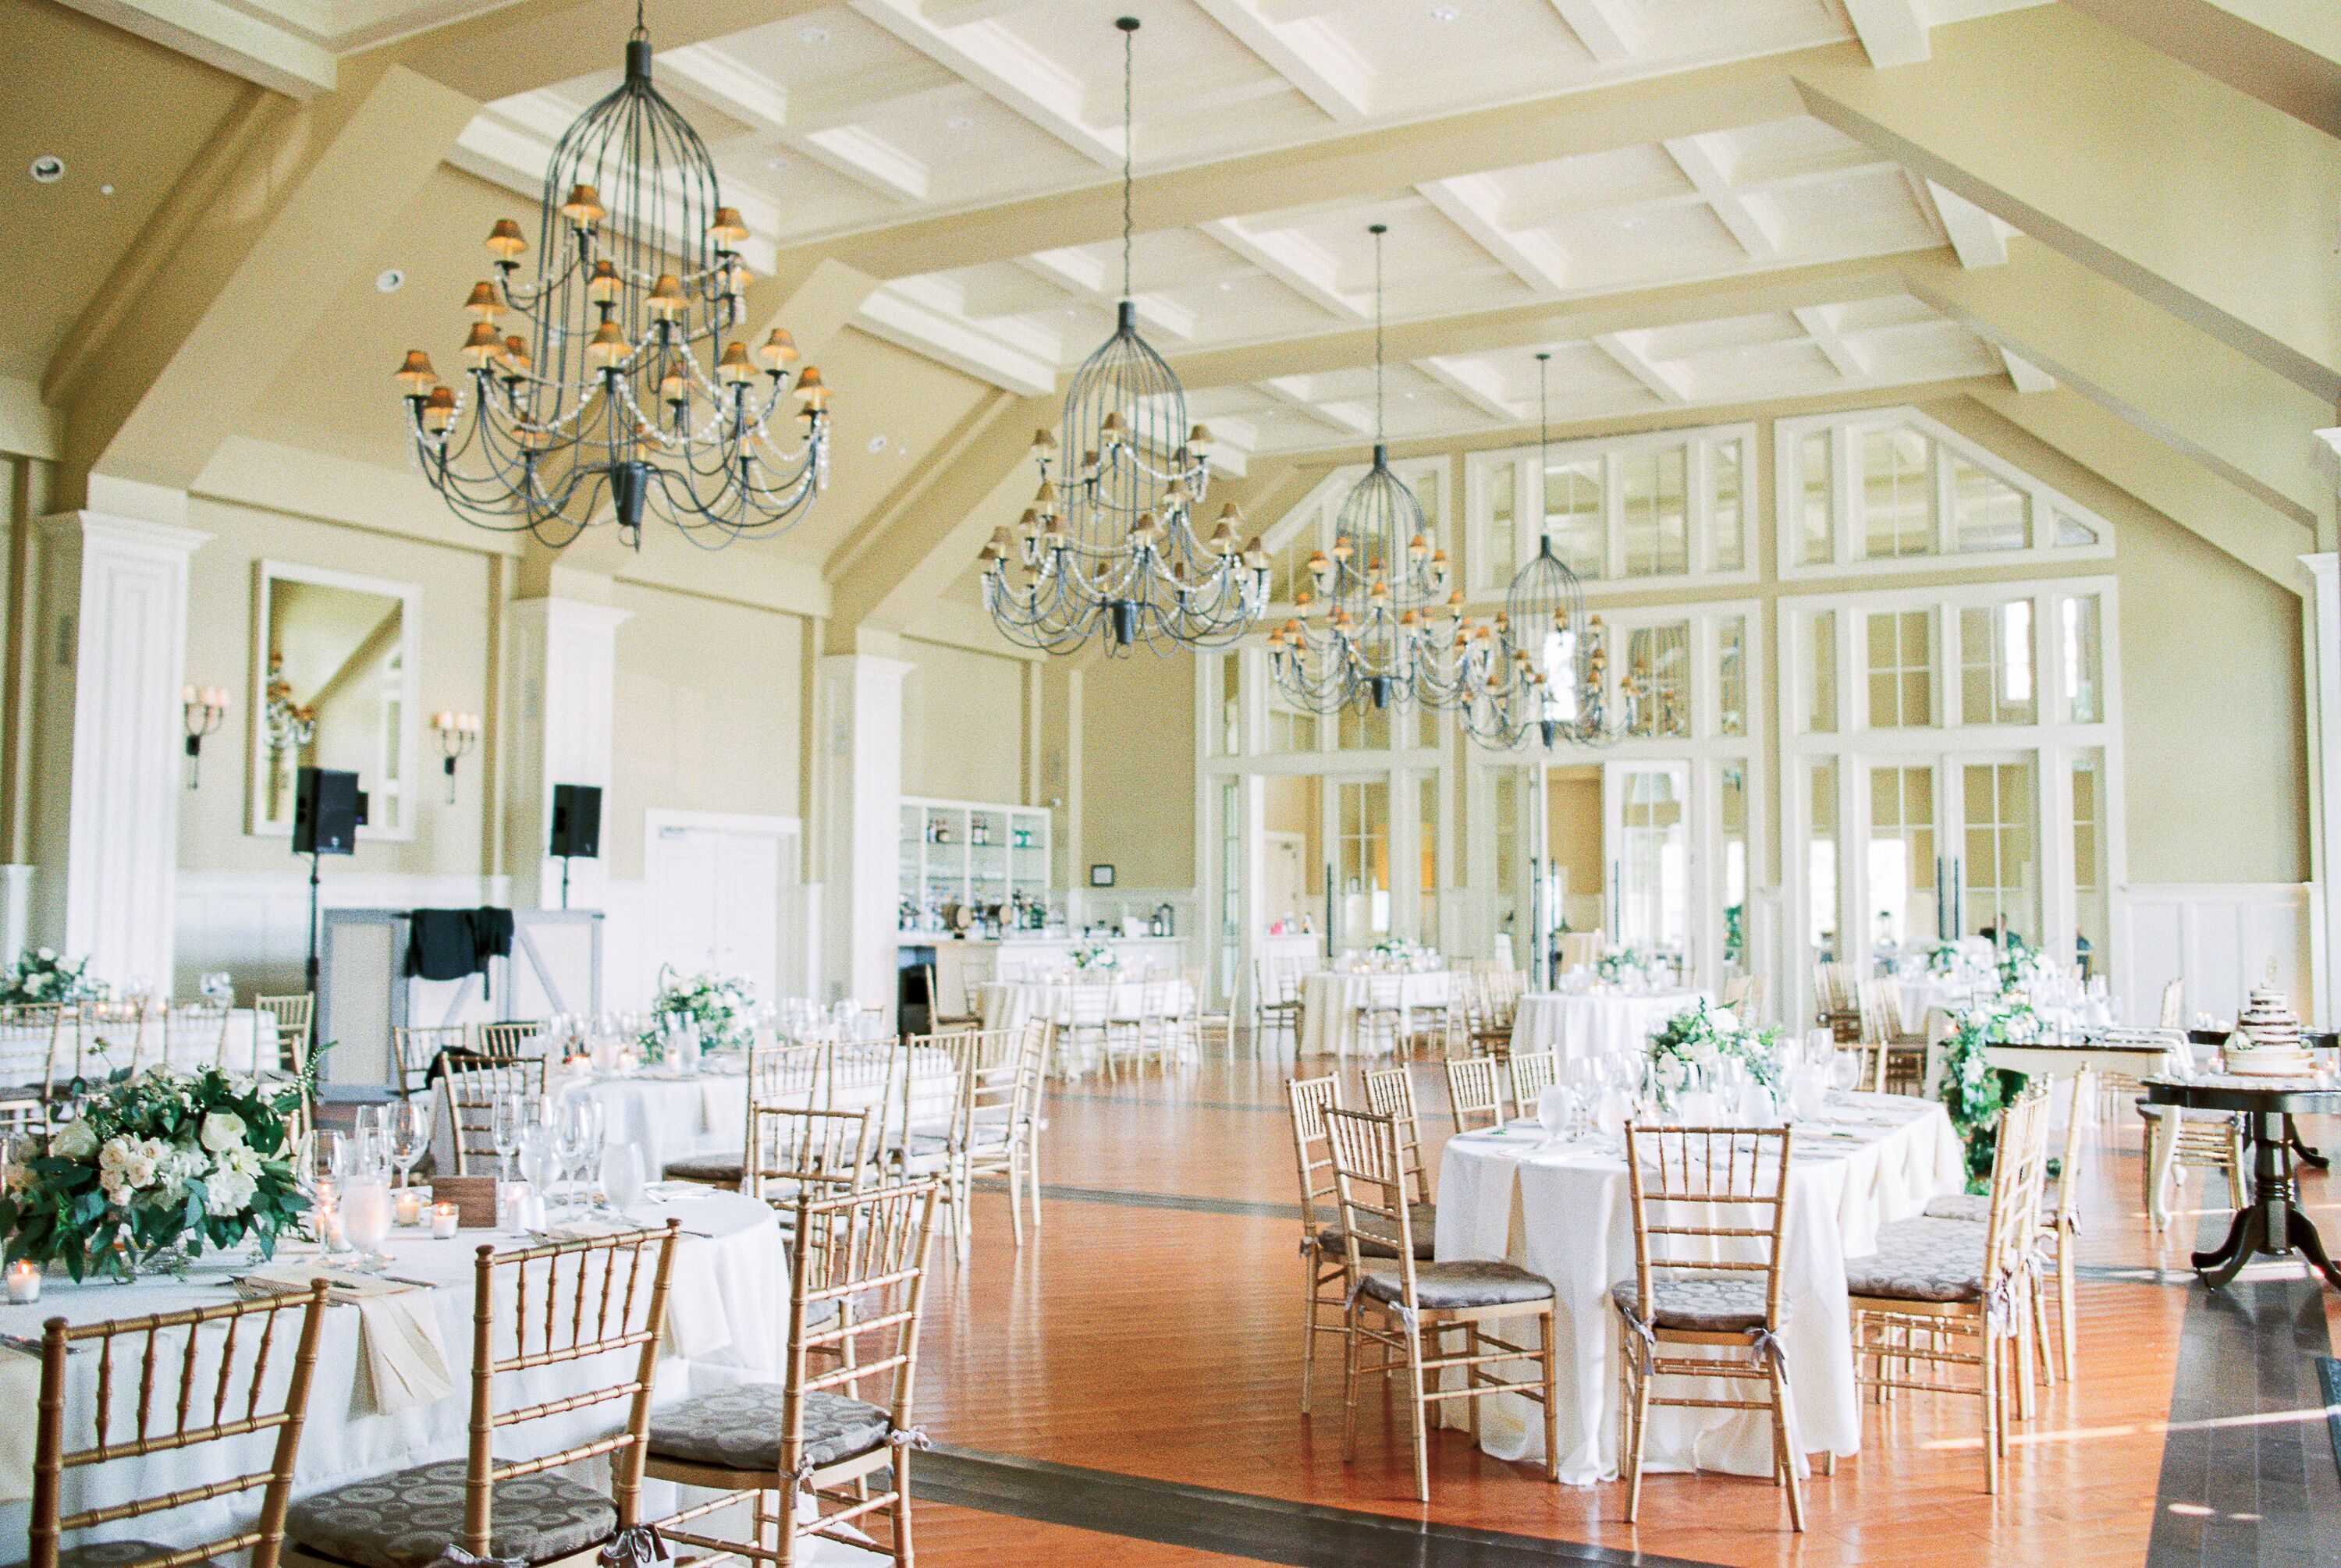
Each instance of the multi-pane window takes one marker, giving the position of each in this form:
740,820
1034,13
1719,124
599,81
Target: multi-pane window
1898,495
1658,662
1731,675
2001,869
1290,731
1820,859
1656,513
2072,532
2091,905
1726,522
1500,540
1231,843
1996,666
1363,865
1731,818
1820,673
1817,526
1988,514
1900,861
1901,669
1366,728
1426,919
1572,504
2083,660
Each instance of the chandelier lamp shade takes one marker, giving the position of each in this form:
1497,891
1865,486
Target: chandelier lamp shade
627,395
1110,551
1380,625
1553,679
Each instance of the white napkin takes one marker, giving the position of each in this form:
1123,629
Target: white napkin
20,1391
404,1359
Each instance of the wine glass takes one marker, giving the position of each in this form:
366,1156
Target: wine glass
540,1156
581,1132
506,1113
410,1135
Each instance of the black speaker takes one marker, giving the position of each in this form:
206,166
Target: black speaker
576,821
326,811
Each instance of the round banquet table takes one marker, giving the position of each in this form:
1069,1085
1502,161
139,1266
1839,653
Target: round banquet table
1329,1000
2272,1222
1562,1209
1581,1024
1012,1004
727,1322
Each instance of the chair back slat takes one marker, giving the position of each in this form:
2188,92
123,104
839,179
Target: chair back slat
416,1046
240,1400
1311,1099
1708,1200
1371,1186
795,1148
472,1090
508,1042
1532,1075
1475,1092
1389,1092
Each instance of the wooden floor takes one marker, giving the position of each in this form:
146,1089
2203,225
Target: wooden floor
1150,1331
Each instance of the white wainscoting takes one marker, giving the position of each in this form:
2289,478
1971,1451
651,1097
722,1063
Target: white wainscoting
2219,937
255,924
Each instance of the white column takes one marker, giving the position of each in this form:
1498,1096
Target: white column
860,708
2325,685
563,688
112,648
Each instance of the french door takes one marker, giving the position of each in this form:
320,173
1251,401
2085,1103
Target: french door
1646,831
1948,845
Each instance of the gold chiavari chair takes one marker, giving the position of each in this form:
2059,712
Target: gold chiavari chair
1411,1302
1389,1092
1893,1063
217,1394
1379,1015
291,1017
1275,996
859,1274
1709,1207
937,1019
1940,1295
1475,1092
416,1048
784,1073
508,1041
1532,1075
195,1034
1325,1270
591,1311
472,1090
1200,1021
793,1149
1089,1023
1755,1007
1159,1010
985,1137
29,1036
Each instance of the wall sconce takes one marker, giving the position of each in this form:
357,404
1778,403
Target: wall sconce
201,712
458,733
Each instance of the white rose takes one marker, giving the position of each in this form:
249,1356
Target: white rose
1726,1022
116,1153
1703,1053
223,1130
245,1161
1672,1073
46,954
228,1192
78,1141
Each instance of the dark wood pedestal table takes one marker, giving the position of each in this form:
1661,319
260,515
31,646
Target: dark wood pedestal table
2272,1223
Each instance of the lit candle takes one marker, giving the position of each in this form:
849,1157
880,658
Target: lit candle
23,1282
513,1215
442,1222
407,1205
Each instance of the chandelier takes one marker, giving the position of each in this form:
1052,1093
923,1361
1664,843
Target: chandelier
1382,627
1109,548
1552,678
626,396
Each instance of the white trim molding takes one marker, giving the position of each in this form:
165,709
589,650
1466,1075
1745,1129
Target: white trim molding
2217,937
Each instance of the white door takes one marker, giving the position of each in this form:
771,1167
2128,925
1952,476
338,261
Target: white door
715,902
1646,811
1289,893
1950,846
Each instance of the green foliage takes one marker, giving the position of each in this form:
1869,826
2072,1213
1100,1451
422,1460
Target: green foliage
1973,1090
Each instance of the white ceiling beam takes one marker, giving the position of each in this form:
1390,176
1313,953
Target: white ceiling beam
1354,418
1631,350
1978,238
1701,160
1893,31
1307,52
893,314
2028,376
756,101
862,96
1474,204
865,159
1088,274
226,37
1845,356
1607,28
1003,65
1293,261
1476,381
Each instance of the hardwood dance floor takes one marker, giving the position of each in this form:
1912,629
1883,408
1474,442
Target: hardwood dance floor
1125,1390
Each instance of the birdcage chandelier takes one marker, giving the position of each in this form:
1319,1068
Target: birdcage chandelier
628,397
1110,551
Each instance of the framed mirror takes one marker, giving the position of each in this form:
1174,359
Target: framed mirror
335,686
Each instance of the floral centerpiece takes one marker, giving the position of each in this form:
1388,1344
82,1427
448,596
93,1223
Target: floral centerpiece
1095,956
1699,1038
1393,953
155,1167
722,1007
42,976
1973,1090
1943,959
1617,964
2022,966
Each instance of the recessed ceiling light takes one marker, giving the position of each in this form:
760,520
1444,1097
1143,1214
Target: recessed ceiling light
390,281
1445,13
877,443
815,36
106,190
48,169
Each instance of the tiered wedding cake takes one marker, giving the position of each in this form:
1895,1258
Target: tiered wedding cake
2267,1041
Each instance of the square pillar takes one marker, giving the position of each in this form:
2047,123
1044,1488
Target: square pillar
111,651
562,683
861,767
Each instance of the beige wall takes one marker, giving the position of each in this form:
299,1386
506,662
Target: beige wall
1138,769
706,714
963,724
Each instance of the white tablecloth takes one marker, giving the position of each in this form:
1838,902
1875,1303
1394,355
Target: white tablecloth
1329,1000
730,1296
1562,1209
1581,1024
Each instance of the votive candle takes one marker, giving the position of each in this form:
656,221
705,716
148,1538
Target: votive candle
442,1222
23,1282
407,1205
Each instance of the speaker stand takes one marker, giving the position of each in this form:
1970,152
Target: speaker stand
564,881
311,969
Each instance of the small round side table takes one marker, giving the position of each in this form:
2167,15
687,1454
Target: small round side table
2272,1223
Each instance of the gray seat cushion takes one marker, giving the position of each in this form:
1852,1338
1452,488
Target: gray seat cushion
1422,1219
1921,1260
739,1428
715,1169
1973,1208
1698,1299
1444,1285
118,1554
407,1518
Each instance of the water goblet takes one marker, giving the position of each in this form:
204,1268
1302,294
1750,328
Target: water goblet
622,1179
365,1216
410,1135
506,1114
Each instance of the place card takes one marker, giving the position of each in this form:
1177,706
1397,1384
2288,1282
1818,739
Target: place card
474,1197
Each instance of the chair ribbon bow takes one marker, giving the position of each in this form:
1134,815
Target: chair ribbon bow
1397,1309
911,1437
456,1557
636,1546
1648,1337
1768,1345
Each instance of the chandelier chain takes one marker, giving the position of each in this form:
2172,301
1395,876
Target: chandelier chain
1129,142
1378,335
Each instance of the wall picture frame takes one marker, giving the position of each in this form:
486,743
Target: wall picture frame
1101,876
